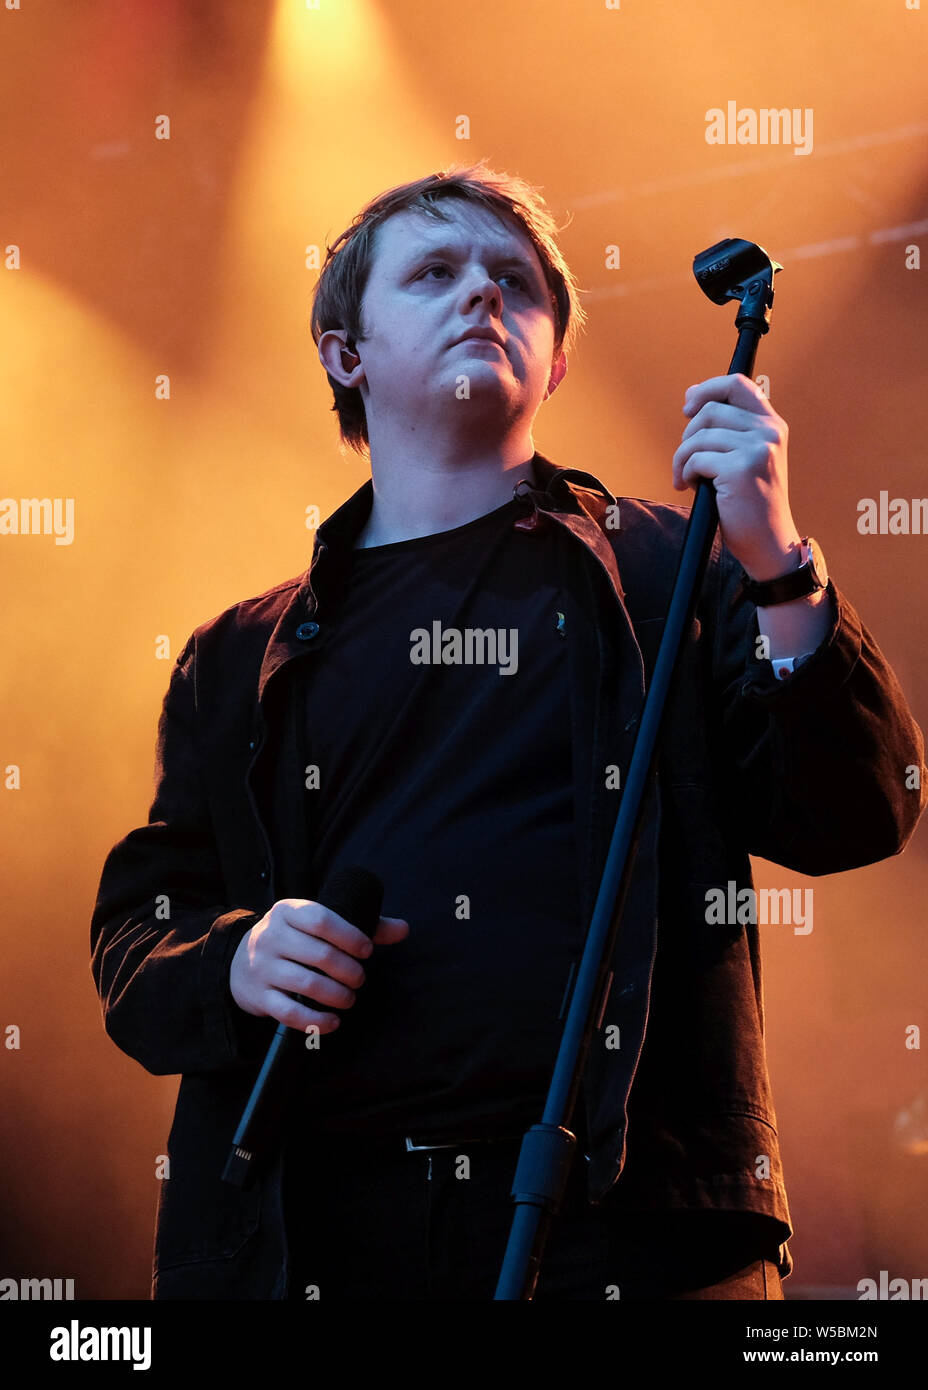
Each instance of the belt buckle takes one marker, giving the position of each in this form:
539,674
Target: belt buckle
418,1148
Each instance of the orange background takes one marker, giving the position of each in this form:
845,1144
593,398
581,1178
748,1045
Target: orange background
187,256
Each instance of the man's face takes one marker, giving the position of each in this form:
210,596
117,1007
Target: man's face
430,283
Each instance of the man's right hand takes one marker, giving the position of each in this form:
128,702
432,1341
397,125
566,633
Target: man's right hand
301,947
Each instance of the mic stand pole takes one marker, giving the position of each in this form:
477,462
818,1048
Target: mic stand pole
732,269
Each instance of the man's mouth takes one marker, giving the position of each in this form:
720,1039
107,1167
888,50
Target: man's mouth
480,336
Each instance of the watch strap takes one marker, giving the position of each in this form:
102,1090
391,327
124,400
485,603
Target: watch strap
798,583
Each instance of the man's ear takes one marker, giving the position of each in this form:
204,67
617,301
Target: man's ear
558,373
339,356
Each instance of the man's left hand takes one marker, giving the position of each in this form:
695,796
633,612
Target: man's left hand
737,439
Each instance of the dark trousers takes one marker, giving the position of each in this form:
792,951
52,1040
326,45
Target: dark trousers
370,1220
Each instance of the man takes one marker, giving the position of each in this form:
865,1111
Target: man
449,696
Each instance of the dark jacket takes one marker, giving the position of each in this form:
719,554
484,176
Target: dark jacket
809,773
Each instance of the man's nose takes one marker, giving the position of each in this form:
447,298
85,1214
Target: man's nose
485,288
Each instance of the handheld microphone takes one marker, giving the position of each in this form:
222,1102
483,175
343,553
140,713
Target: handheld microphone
357,895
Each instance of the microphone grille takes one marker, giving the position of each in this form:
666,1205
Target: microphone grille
355,894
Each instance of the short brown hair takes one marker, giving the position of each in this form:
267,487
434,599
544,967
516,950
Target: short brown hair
346,269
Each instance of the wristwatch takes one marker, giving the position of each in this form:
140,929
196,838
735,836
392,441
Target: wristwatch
811,575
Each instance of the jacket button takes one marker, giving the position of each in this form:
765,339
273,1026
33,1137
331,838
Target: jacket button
263,874
306,631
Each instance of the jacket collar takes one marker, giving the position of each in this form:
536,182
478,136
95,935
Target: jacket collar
577,499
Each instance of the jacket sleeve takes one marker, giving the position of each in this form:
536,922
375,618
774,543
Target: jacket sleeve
162,935
823,771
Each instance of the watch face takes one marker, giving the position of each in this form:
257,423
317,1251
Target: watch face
817,562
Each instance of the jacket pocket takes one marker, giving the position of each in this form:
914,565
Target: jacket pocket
205,1223
200,1216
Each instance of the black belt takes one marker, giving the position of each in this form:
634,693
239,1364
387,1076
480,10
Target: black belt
414,1145
419,1143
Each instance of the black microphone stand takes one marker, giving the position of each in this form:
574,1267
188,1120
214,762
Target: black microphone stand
732,269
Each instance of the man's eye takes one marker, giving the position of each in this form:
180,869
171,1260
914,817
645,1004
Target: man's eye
507,275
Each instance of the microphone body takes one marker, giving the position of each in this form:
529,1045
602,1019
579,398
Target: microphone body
357,895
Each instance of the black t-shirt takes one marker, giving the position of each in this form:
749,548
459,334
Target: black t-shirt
453,782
